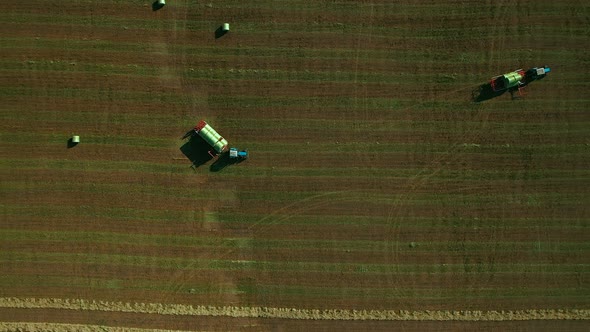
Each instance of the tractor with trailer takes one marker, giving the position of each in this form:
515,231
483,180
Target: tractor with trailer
210,145
518,79
217,142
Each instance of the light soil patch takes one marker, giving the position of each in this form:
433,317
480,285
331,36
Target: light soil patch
292,313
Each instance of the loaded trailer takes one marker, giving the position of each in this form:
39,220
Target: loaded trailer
213,138
518,79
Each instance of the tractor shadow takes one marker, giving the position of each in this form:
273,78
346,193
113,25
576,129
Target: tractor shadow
220,32
223,161
156,6
196,150
485,92
70,144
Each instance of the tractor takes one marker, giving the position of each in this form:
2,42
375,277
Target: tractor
518,79
214,144
236,154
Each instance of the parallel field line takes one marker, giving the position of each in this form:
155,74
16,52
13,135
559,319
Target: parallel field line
294,313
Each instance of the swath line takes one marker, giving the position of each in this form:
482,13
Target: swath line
292,313
59,327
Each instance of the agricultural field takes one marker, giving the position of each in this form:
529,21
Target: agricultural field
378,194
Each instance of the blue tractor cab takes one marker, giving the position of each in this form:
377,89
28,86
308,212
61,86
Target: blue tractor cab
238,154
537,73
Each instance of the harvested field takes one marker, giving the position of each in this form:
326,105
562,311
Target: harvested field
378,195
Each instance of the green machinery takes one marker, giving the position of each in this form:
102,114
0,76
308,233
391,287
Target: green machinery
212,137
518,79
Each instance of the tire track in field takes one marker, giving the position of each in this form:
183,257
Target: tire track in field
309,202
421,178
316,201
293,313
360,47
500,26
198,97
292,209
312,202
451,154
323,199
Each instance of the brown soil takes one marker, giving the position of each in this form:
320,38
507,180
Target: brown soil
323,204
204,323
183,185
194,278
312,255
150,84
196,61
32,104
453,159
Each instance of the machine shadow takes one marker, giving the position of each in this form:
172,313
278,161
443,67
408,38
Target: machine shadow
223,161
485,92
157,6
220,32
197,151
70,144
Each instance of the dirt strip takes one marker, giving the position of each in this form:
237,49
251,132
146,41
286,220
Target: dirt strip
33,104
293,313
62,327
275,223
129,321
434,37
453,159
357,14
43,320
277,226
82,58
159,277
237,87
305,254
79,180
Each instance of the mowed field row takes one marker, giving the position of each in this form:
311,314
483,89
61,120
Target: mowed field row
375,188
289,313
154,218
74,81
350,279
270,63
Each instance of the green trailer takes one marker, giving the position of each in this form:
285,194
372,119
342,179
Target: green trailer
212,137
507,81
